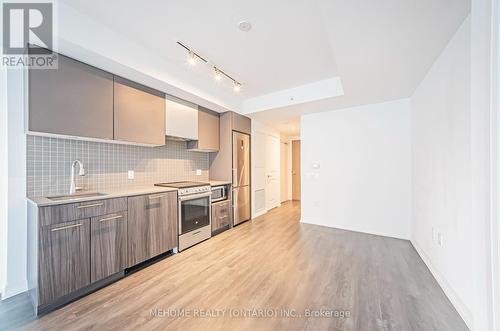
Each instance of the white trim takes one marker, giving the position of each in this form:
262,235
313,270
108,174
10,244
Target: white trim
4,180
459,305
99,140
495,175
9,291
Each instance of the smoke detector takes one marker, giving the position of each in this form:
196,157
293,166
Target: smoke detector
245,26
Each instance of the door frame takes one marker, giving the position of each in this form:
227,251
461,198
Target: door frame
291,167
494,163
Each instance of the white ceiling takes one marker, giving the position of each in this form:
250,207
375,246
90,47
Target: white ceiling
380,50
285,47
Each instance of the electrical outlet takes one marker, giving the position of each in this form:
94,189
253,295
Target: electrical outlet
198,172
440,240
131,174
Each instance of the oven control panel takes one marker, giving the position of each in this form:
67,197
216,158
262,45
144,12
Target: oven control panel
194,190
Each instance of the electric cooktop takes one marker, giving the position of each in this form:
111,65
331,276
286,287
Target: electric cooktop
185,184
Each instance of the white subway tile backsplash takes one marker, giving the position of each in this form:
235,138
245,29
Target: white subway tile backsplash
49,163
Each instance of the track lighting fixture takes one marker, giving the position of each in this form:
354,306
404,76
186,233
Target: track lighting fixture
218,75
193,58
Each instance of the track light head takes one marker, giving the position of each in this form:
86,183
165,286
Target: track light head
191,58
218,75
237,87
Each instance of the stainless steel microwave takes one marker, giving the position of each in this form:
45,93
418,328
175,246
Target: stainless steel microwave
219,193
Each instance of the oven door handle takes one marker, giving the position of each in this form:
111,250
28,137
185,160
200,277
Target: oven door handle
195,196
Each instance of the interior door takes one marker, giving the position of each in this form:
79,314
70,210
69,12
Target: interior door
296,169
241,159
284,171
272,172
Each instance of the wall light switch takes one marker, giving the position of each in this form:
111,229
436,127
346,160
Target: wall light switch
440,239
131,174
198,172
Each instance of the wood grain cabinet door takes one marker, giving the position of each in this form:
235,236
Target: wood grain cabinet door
64,259
75,99
152,226
108,254
139,113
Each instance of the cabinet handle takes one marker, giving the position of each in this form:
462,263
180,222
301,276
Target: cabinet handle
195,233
92,205
111,218
66,227
224,217
156,197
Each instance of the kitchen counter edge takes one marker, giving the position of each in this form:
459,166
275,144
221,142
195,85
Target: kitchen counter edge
42,201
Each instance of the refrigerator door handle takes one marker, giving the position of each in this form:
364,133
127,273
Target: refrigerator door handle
235,177
235,206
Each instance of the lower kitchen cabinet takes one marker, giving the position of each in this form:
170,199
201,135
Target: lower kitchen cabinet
64,259
221,215
152,226
108,239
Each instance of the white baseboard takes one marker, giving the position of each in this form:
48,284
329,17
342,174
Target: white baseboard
459,305
376,233
10,291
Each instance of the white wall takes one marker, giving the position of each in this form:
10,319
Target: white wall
261,149
364,179
441,133
15,187
3,178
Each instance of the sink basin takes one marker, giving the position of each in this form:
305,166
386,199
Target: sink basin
75,196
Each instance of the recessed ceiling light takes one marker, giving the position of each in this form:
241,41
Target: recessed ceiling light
245,26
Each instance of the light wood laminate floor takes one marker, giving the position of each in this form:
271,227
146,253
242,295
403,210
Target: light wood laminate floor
270,267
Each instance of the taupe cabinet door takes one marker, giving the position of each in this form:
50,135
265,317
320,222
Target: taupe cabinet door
152,226
208,131
108,245
64,259
139,113
75,99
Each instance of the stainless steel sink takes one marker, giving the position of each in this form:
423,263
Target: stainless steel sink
76,196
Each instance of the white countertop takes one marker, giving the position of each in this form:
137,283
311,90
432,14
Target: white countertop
114,193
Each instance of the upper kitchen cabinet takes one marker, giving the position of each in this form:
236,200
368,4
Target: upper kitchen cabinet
241,123
208,132
139,113
73,100
182,119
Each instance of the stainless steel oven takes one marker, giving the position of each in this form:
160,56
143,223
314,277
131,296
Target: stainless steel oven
219,193
194,212
195,216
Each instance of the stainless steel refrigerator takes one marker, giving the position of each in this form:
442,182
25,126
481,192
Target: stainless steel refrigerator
241,177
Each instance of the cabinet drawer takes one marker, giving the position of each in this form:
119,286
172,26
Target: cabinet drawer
74,211
221,214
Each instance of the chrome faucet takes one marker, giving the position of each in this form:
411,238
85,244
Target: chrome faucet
81,172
